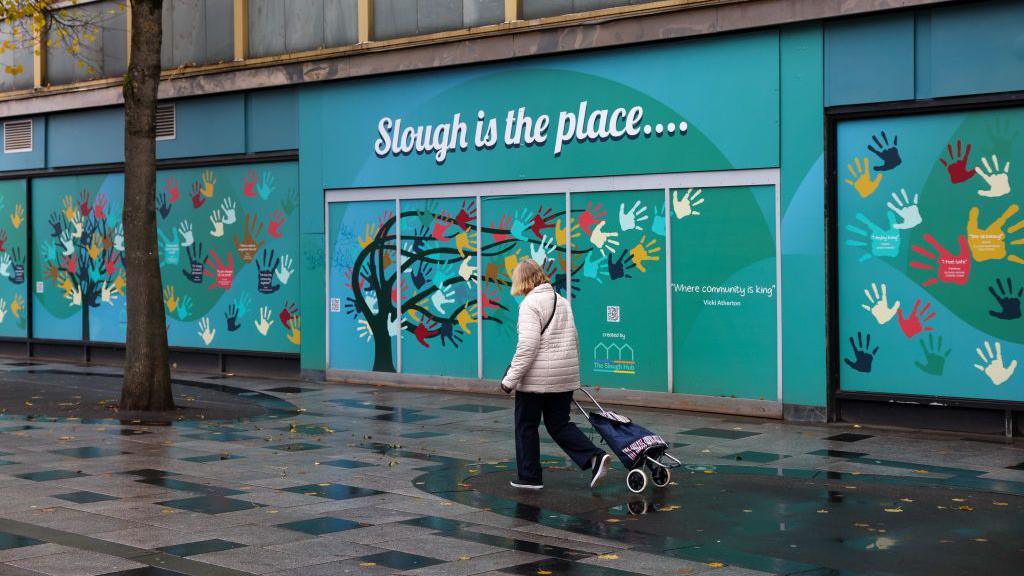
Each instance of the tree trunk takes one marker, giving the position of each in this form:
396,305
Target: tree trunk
147,376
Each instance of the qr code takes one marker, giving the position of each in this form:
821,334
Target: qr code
613,314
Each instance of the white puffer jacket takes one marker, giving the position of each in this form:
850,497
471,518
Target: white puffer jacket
548,363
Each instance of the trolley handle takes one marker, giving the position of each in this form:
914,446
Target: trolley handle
592,399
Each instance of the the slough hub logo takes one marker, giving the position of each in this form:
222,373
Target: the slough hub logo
614,358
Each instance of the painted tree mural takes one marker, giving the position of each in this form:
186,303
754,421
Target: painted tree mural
433,247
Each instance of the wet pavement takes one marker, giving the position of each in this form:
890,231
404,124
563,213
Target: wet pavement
330,479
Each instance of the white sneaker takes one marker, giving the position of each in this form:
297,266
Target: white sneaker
525,485
600,469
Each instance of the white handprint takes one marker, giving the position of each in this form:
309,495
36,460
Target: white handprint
108,293
79,225
879,305
284,269
228,206
218,224
686,205
3,310
370,298
442,297
363,329
998,180
186,234
905,209
630,220
264,323
992,364
204,330
539,252
5,265
75,295
392,325
603,240
67,242
119,238
467,270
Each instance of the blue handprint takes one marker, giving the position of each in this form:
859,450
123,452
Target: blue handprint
878,242
243,304
658,226
169,248
184,307
595,267
521,225
265,187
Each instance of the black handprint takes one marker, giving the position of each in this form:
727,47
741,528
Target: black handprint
889,155
18,276
617,269
558,281
57,223
862,358
419,277
196,257
162,205
447,332
232,317
265,273
1008,301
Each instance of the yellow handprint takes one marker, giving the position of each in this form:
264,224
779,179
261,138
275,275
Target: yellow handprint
295,337
465,241
371,231
119,283
170,299
69,207
17,306
511,261
989,243
94,247
65,284
863,183
466,317
560,232
643,252
18,216
209,180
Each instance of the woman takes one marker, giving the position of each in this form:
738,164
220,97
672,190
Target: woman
544,373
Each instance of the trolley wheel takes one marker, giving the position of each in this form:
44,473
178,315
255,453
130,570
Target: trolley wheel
636,480
637,507
660,476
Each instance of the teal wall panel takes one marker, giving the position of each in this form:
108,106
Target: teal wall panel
27,160
13,256
83,138
207,127
870,59
802,191
313,302
272,120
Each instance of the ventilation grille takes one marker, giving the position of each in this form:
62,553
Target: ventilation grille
166,125
18,136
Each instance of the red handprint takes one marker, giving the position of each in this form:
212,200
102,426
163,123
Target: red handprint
914,324
171,188
952,268
197,194
591,216
348,281
3,240
99,209
277,219
540,223
466,214
506,222
957,165
222,275
289,311
70,263
489,299
83,206
442,222
110,265
423,332
249,185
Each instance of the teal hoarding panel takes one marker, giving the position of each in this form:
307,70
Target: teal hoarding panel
619,289
13,256
604,113
931,255
724,292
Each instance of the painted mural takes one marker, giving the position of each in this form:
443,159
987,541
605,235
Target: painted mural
931,254
13,256
227,240
434,251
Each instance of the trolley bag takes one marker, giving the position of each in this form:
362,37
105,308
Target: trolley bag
632,443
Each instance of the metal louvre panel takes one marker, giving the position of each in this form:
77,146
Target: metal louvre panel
166,125
18,136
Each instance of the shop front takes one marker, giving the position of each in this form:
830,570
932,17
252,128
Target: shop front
644,180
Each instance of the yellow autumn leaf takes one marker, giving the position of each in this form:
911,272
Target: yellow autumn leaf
966,508
997,503
716,564
367,564
893,510
609,556
544,572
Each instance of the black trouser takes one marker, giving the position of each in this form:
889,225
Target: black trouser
554,407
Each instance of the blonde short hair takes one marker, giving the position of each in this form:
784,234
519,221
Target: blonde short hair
527,276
